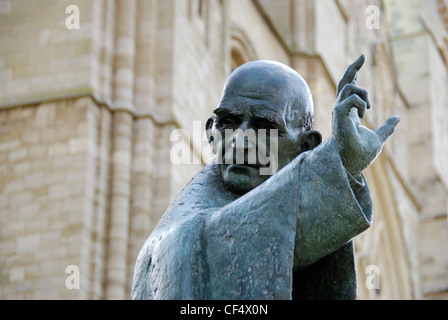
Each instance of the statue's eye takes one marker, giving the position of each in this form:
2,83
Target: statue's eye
270,128
227,122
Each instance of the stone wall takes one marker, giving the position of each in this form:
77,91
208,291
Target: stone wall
48,191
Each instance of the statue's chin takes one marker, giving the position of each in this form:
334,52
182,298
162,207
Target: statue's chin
238,188
241,180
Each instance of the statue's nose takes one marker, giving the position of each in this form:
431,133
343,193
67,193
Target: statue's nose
244,137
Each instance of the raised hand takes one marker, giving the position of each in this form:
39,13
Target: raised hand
358,146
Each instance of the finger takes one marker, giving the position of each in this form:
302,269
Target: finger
350,89
386,130
354,101
351,73
353,69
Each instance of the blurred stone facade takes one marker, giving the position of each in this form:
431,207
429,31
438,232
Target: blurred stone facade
86,117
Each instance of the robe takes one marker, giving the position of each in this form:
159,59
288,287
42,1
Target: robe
288,238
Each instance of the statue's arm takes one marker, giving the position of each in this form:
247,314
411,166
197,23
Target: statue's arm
334,200
313,199
333,206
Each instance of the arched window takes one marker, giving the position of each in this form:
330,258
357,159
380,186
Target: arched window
242,50
237,59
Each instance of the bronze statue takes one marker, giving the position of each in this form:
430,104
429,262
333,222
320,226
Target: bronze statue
234,233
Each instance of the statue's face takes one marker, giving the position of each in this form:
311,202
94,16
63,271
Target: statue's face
251,116
255,129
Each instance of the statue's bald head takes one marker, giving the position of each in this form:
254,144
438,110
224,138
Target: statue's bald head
264,96
275,82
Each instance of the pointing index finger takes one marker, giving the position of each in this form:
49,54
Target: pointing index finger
357,65
351,74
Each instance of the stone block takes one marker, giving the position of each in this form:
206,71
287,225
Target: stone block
33,180
17,273
20,197
18,154
58,149
59,191
15,185
28,243
21,168
9,145
37,152
28,210
30,137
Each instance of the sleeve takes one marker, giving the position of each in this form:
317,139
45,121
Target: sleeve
333,206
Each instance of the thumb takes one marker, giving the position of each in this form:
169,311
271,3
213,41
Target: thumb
386,130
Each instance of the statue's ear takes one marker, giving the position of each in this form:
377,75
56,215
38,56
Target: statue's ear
309,140
209,130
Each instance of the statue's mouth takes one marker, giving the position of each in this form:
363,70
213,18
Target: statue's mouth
243,167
